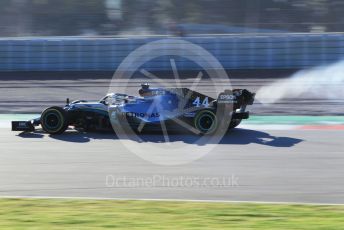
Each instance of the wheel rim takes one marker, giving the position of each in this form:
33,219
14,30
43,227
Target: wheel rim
52,120
206,122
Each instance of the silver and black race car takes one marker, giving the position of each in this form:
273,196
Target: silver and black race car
176,108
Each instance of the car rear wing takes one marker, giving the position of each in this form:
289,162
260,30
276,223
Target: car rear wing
236,101
239,97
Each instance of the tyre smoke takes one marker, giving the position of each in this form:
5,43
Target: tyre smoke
325,82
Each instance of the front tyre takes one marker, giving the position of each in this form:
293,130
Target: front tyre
54,120
206,122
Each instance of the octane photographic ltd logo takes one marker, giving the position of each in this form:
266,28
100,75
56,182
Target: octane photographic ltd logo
168,147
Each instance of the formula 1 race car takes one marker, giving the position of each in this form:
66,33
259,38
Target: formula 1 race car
174,106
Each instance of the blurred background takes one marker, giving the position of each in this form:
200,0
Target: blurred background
256,42
167,17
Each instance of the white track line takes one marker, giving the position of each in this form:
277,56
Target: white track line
172,200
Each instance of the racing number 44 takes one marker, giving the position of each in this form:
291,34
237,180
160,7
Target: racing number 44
197,102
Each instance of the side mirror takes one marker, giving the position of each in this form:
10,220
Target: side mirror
67,101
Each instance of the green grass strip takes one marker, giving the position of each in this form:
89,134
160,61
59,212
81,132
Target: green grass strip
109,214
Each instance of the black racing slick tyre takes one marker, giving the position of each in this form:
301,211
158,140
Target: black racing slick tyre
54,120
206,122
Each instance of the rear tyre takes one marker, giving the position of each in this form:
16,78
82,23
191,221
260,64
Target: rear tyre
206,122
54,120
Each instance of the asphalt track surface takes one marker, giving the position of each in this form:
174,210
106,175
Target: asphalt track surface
247,165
